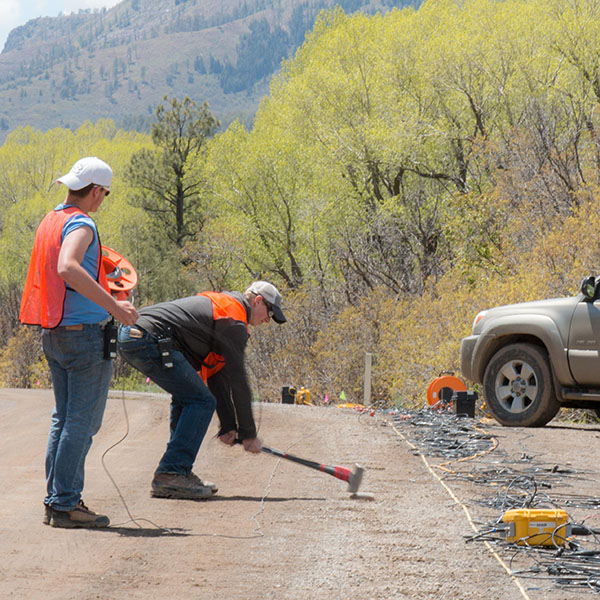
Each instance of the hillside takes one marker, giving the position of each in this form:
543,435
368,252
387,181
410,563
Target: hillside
119,63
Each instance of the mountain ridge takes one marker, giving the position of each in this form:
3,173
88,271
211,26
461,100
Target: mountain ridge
121,62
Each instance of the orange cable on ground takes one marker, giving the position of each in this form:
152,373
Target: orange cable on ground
465,458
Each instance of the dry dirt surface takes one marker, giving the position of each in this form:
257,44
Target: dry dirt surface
277,529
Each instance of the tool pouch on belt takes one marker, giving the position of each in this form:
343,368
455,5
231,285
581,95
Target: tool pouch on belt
165,346
110,340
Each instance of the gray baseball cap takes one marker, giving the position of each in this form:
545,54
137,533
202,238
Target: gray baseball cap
269,293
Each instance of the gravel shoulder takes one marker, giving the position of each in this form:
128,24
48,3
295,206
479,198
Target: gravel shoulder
276,529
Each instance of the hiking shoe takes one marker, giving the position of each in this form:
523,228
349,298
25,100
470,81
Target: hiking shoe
209,484
47,514
81,516
177,485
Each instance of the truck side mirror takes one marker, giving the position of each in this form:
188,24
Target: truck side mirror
589,289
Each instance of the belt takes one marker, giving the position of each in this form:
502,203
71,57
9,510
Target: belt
82,326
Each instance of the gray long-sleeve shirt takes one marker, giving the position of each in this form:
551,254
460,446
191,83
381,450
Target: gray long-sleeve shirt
189,323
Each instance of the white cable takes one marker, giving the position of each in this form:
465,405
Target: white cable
175,531
466,510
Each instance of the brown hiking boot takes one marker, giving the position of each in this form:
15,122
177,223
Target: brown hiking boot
209,484
177,485
47,514
81,516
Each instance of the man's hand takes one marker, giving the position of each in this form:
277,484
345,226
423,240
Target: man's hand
125,312
228,438
252,445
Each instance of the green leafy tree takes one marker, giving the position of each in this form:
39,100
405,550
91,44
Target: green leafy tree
167,177
259,188
380,220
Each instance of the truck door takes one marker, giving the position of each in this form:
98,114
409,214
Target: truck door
584,344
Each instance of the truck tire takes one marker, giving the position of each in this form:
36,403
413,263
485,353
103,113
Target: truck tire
518,386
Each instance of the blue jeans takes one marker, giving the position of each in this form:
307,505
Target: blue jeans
192,403
80,378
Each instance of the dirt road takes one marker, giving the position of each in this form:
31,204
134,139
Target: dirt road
276,529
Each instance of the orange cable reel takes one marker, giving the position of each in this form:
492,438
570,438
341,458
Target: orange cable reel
442,385
120,274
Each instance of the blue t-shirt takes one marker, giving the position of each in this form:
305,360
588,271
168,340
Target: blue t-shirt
78,309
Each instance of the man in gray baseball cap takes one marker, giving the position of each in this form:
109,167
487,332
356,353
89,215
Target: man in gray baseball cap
271,297
194,349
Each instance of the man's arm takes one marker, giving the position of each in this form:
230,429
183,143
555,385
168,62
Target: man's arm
219,386
232,337
69,267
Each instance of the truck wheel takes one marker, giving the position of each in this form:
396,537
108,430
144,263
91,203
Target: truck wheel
518,386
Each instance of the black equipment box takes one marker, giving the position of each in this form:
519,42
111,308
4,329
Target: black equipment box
464,403
288,394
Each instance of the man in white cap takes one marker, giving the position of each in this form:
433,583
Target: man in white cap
194,348
66,293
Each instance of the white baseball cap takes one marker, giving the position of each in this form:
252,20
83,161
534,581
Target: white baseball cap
85,171
269,293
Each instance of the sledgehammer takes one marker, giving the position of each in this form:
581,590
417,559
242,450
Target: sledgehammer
353,477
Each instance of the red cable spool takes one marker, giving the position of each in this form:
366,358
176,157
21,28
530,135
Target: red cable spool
120,274
443,382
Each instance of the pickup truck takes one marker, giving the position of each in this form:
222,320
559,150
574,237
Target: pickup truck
535,357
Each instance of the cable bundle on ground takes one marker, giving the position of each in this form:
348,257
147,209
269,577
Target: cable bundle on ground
443,434
567,557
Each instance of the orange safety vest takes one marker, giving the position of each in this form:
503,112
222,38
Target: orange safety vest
224,307
45,290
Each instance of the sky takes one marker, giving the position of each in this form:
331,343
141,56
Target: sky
17,12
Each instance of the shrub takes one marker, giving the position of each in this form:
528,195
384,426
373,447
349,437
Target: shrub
22,362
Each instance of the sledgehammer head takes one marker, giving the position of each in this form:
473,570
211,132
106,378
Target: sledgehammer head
355,478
